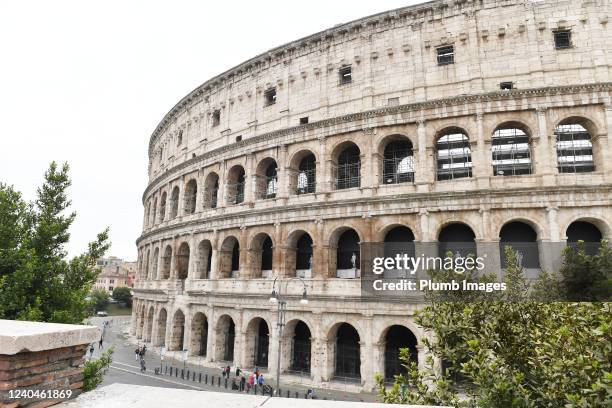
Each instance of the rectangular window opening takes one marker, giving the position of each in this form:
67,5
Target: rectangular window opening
270,97
216,118
304,120
238,138
563,39
345,74
506,86
446,55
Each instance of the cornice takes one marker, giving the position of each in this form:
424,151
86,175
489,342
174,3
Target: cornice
515,94
368,202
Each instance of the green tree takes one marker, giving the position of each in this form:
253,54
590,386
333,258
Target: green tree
586,277
36,280
122,294
99,299
93,373
510,351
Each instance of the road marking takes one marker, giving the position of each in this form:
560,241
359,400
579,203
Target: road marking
159,378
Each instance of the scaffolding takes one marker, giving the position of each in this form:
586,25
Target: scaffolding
574,149
511,152
454,157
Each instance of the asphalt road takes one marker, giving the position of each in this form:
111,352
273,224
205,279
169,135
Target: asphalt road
125,368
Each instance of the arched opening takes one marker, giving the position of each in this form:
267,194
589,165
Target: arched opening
524,240
226,335
257,343
162,207
511,151
586,232
141,323
304,173
154,212
161,328
166,262
348,357
303,256
261,256
155,271
204,259
147,268
182,261
229,258
178,331
297,359
235,185
398,161
267,179
574,146
399,241
211,190
457,238
348,255
397,338
174,203
191,193
199,335
453,155
346,167
149,332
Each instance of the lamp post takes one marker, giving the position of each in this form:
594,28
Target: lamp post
277,297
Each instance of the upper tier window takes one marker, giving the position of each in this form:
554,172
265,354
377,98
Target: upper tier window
345,74
270,97
563,39
446,55
216,118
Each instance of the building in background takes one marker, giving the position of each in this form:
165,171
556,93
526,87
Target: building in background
115,272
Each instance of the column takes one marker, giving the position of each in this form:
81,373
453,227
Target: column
551,249
422,176
481,158
282,173
323,168
250,180
544,162
211,338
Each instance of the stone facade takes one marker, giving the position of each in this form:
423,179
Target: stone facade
286,149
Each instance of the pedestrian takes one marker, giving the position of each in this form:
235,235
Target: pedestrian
251,382
238,372
91,350
228,370
242,382
144,350
137,353
101,343
143,367
260,380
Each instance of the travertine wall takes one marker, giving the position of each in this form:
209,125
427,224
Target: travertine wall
392,55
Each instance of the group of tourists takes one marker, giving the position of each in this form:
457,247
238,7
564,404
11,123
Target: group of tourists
242,380
140,354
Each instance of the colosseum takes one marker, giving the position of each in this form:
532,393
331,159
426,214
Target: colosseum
474,121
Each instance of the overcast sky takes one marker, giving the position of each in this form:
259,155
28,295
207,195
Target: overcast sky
87,82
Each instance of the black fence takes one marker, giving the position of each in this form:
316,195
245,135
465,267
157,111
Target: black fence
232,383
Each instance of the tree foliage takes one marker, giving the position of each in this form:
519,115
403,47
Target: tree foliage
93,373
36,280
99,299
122,294
509,349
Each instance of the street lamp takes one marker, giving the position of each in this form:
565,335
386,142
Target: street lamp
276,297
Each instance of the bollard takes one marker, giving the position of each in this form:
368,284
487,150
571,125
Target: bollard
225,383
288,394
176,372
219,382
200,377
182,374
297,395
187,374
279,392
206,379
165,370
